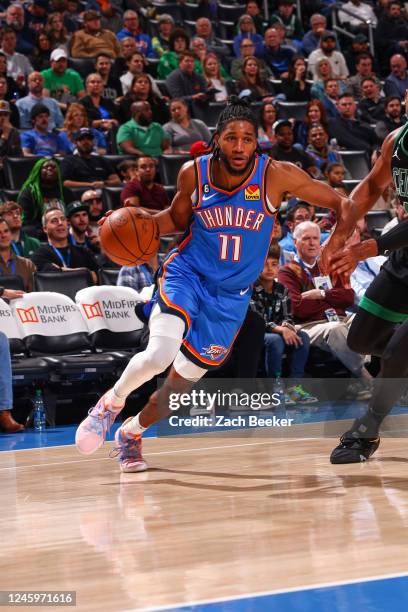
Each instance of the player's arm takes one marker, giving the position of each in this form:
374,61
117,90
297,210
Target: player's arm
177,217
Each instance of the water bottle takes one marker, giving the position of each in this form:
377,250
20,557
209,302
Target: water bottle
279,390
334,145
39,412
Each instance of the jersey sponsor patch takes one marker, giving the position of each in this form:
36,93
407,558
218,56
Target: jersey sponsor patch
252,192
214,351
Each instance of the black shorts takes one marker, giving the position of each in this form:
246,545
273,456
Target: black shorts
386,298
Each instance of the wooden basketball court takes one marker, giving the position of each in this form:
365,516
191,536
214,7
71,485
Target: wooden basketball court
215,518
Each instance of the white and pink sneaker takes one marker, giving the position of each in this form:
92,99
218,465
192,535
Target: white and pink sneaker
91,433
129,451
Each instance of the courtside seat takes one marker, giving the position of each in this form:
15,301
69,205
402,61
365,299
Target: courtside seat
108,276
169,167
67,283
291,110
12,281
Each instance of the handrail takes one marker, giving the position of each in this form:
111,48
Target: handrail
337,6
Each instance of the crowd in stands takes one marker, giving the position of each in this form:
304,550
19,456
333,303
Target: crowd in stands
100,94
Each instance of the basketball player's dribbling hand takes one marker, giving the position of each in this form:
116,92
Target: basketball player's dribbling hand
138,211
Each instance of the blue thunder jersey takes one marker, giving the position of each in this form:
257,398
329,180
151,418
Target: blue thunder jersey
230,232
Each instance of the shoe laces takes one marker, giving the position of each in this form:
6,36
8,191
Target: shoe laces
129,448
349,442
299,389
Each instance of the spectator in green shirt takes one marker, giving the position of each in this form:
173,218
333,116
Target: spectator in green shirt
140,135
60,82
169,61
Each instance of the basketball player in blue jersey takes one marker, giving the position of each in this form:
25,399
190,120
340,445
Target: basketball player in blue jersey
226,202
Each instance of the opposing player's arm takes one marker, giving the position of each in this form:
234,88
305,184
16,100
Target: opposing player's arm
177,217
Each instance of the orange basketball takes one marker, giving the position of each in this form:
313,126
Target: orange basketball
129,239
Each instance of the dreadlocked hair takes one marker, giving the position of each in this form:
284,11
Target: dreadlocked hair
237,109
33,183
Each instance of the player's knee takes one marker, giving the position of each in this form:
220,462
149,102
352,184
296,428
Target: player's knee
160,359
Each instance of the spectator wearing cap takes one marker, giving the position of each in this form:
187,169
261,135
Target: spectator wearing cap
93,199
274,54
93,39
10,263
22,244
131,27
183,130
59,254
142,190
80,233
311,39
112,87
364,69
41,141
60,82
359,45
15,19
284,150
199,148
10,145
161,42
327,50
35,96
84,168
36,15
75,119
141,135
18,66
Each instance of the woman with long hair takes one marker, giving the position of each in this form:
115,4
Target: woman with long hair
183,130
40,55
215,80
179,41
75,119
315,113
295,87
41,190
141,89
247,29
260,89
57,31
323,73
267,117
102,113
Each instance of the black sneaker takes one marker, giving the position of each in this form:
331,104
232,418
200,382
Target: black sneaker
354,450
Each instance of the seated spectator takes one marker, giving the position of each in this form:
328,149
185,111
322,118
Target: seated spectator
135,64
80,233
131,28
323,73
295,215
360,10
349,132
266,133
36,15
315,113
364,67
40,141
60,82
112,87
187,84
214,45
251,82
14,90
127,48
41,53
393,117
93,199
141,91
10,263
286,16
275,55
294,87
335,174
370,109
41,190
127,170
247,31
359,45
270,300
57,32
59,254
216,78
199,48
14,117
22,244
161,42
140,135
253,9
15,19
10,144
182,130
139,277
391,34
247,49
178,43
7,423
35,96
18,65
396,82
320,312
311,40
328,51
76,119
331,98
84,168
93,39
141,189
284,150
102,112
319,148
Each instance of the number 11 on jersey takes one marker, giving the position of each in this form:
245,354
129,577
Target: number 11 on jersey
225,241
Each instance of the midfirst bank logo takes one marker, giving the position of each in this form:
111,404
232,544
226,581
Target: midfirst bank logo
57,313
252,192
28,315
92,310
109,309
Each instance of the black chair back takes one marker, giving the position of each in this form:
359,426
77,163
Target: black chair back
12,281
17,169
67,283
108,276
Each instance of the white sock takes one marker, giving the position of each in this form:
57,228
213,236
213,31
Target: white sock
133,427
